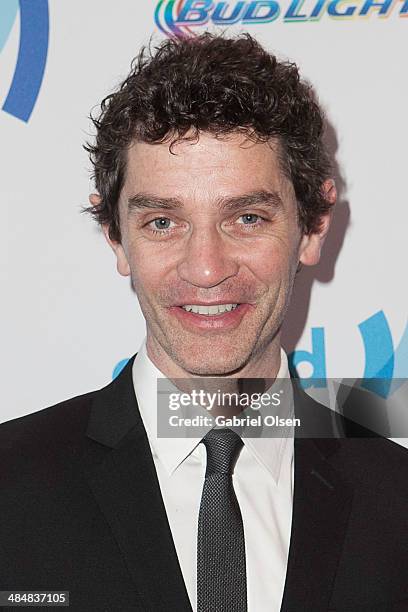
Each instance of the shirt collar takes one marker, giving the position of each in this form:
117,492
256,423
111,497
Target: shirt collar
171,452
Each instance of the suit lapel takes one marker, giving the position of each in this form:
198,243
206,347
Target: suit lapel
121,474
321,508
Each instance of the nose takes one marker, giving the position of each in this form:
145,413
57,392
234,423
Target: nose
208,259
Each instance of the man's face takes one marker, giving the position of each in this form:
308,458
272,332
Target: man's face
211,240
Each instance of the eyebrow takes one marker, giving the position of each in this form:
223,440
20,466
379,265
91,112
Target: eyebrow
262,197
146,200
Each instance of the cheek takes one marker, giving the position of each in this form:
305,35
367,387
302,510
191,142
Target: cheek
148,271
145,277
271,261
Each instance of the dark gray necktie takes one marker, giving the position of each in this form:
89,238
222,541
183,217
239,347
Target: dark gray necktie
221,572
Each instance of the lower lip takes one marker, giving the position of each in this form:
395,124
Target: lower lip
226,320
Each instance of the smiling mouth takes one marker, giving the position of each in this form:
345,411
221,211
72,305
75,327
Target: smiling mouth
211,318
209,310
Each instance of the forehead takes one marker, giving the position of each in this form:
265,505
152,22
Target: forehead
208,166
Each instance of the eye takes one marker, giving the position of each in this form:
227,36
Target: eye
249,219
161,223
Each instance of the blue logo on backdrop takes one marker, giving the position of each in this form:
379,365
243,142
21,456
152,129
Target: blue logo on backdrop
383,364
32,53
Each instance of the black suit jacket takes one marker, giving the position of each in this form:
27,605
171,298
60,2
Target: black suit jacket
81,510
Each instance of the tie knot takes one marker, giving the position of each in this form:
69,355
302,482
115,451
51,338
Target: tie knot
223,447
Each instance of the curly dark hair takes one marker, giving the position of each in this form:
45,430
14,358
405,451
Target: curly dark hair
217,85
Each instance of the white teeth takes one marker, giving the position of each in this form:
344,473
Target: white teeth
209,310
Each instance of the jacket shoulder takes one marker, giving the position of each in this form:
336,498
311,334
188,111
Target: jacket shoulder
43,444
57,421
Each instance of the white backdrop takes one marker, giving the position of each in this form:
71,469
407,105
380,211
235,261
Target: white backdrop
68,317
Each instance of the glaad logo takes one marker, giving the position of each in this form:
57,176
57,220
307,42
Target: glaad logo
32,53
383,364
181,17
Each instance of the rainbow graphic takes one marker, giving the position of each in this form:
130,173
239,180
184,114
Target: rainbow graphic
164,14
178,18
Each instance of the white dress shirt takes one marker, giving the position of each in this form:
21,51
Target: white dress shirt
263,483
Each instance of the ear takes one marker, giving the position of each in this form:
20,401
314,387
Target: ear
122,263
311,244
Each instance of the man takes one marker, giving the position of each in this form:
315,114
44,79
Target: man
213,187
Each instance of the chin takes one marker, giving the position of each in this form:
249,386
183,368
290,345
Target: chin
212,364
